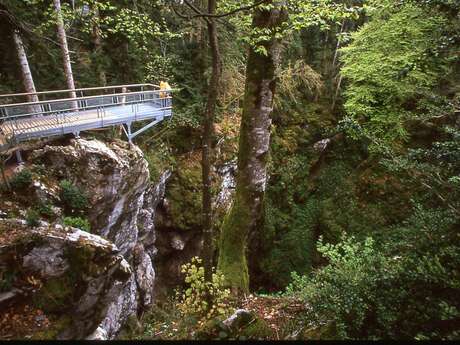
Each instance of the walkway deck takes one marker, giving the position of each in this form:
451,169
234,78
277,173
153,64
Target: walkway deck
31,120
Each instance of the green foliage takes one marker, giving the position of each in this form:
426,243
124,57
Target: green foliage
32,217
203,300
21,180
159,160
78,222
399,289
392,66
344,289
55,294
45,209
73,199
184,194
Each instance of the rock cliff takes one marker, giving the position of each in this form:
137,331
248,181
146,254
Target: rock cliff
119,281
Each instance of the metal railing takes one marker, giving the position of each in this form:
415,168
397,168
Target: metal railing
65,112
81,92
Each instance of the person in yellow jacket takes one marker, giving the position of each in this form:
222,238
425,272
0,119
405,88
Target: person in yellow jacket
164,85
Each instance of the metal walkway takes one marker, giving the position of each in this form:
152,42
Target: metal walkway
94,108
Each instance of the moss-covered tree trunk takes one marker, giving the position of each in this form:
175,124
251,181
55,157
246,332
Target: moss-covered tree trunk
208,137
253,148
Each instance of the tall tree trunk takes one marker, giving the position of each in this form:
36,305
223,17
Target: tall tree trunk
65,51
97,43
208,135
26,74
253,150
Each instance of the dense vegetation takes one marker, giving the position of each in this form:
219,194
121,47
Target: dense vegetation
360,216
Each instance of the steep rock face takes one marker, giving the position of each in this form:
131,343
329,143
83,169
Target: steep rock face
58,259
115,178
127,211
122,209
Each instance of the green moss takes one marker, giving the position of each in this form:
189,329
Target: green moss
184,194
80,259
159,160
232,259
55,295
326,332
257,329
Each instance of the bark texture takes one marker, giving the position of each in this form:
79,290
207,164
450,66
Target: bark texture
97,44
208,135
253,150
64,50
26,74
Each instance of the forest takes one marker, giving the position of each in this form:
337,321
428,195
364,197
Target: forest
306,186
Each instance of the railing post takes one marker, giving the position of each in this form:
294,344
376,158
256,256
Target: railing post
123,98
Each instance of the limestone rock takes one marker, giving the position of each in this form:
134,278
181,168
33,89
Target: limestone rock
114,177
48,260
48,252
238,318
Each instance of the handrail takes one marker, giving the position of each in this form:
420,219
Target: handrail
80,98
79,108
80,89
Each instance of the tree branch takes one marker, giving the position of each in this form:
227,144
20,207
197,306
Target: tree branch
205,16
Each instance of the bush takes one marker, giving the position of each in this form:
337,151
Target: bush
77,222
32,217
366,293
192,302
73,199
46,210
21,180
343,290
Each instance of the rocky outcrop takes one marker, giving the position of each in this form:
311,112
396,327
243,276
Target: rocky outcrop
122,209
56,258
129,217
115,177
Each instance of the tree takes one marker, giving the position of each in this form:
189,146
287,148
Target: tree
97,43
208,122
65,51
253,146
26,74
14,27
208,132
271,22
208,136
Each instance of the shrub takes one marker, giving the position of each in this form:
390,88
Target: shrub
78,222
369,293
193,301
73,199
32,217
45,209
21,180
342,291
